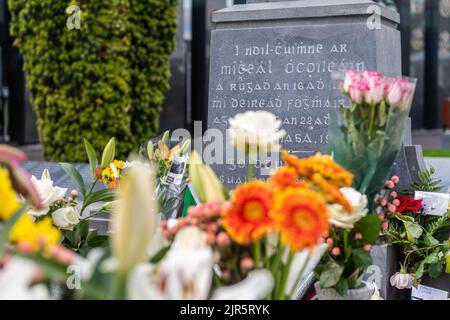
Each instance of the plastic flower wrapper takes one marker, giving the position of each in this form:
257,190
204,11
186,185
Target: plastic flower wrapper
170,160
366,136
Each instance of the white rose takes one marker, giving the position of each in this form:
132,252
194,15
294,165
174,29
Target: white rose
66,218
257,129
190,238
47,192
343,219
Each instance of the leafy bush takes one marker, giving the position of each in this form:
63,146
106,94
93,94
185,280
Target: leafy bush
106,79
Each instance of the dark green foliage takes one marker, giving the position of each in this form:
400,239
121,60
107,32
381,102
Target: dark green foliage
427,182
107,79
421,238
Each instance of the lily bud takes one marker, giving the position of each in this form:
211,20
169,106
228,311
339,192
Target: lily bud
205,182
165,137
135,218
186,145
108,153
150,150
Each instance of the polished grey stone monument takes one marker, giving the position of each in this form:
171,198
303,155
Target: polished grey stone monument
279,57
409,161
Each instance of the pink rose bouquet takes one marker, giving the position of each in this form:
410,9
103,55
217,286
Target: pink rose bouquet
368,134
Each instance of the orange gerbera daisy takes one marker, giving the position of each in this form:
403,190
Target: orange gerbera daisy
331,192
286,177
320,164
301,216
247,216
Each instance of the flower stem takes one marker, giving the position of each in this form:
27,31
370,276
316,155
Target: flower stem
284,276
251,165
372,120
257,253
251,172
120,290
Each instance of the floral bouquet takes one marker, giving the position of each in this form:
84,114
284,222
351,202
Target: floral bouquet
352,235
369,133
170,164
422,239
279,225
170,160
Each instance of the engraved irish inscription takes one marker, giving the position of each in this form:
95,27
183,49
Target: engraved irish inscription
286,71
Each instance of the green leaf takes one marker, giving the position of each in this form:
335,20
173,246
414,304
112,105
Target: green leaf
432,258
75,176
369,227
420,271
98,241
430,240
435,270
413,231
404,218
70,236
447,264
109,153
342,286
92,156
7,227
83,229
159,255
105,195
355,279
330,276
361,258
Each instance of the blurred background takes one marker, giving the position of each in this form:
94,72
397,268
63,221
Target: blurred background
425,29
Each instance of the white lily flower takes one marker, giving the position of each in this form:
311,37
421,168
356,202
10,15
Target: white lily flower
304,261
15,280
134,219
182,274
256,286
189,238
47,193
88,264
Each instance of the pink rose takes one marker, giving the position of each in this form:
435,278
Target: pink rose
349,77
395,94
358,89
408,93
375,93
373,76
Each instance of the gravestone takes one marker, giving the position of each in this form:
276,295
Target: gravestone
409,161
279,57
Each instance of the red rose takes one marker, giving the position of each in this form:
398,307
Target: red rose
408,204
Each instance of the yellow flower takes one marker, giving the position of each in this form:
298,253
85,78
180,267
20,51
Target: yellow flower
301,216
9,203
41,235
111,174
118,164
322,165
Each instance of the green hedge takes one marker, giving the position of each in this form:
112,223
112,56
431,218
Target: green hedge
107,79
